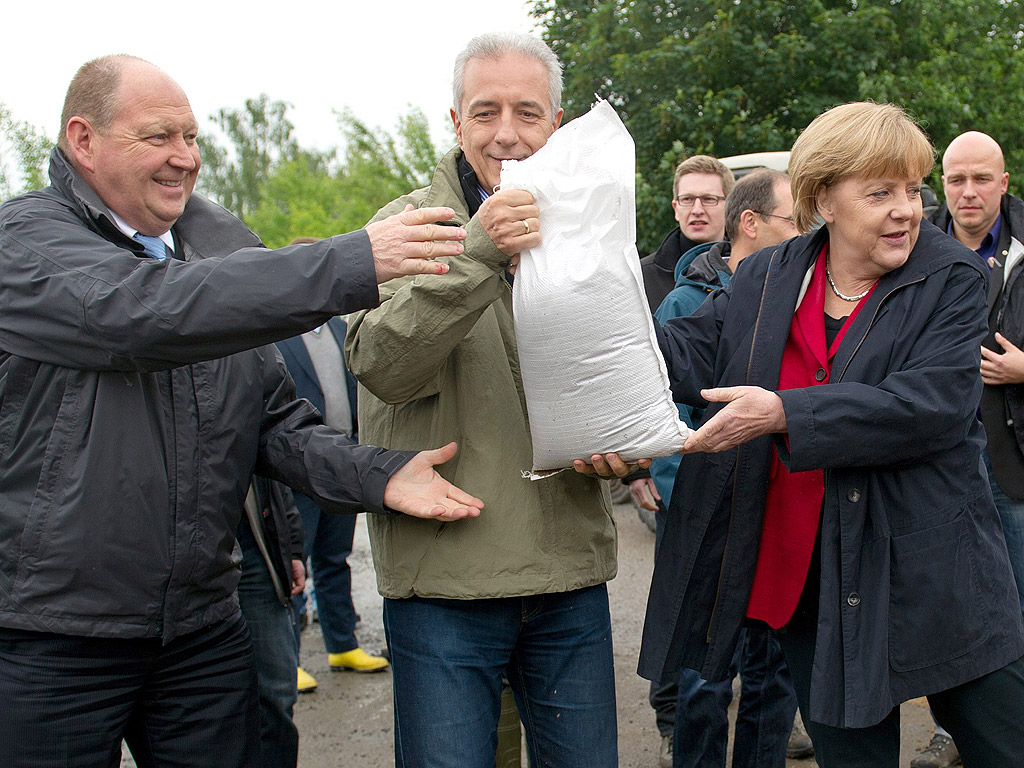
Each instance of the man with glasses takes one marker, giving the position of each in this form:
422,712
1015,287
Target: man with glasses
698,191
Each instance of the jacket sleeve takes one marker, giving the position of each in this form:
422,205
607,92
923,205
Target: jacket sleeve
282,504
689,345
398,350
920,406
298,449
73,297
681,301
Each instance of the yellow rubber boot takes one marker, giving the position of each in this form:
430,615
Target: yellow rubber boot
307,683
356,660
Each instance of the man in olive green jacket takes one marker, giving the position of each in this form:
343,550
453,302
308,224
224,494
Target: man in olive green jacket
519,591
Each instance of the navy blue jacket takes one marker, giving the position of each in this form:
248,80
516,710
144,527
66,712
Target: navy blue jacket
917,594
307,384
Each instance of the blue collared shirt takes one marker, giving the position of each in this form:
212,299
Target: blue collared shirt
989,243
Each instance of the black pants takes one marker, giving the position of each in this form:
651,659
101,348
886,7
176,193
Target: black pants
69,701
985,716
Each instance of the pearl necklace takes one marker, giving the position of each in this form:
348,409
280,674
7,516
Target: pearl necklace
843,296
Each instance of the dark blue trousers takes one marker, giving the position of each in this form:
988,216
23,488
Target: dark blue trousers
69,701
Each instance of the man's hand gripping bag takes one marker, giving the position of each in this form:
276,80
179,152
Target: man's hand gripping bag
594,377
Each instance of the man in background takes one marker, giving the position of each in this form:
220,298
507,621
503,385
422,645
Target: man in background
316,362
981,214
691,715
758,214
699,188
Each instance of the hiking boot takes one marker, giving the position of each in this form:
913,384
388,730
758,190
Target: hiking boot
799,742
665,753
940,753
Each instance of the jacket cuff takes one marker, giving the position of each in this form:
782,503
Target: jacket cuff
357,276
636,474
481,248
799,438
378,476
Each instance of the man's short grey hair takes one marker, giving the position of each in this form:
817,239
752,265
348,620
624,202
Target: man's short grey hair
92,94
754,192
495,45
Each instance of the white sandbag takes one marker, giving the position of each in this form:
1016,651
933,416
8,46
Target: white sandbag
594,377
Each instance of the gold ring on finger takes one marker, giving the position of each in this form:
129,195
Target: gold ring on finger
527,225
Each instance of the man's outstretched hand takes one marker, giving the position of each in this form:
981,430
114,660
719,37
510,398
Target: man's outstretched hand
404,243
417,490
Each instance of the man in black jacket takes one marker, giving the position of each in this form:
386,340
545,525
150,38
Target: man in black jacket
699,188
981,214
137,397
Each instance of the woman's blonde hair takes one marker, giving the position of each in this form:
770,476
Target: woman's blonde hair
857,139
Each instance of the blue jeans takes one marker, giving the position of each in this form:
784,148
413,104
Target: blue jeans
1011,513
764,718
277,656
328,544
448,658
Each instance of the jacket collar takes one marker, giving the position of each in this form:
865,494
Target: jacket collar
468,183
704,265
784,280
446,189
67,181
1012,210
672,248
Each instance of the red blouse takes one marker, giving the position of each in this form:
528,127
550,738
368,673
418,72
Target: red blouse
793,504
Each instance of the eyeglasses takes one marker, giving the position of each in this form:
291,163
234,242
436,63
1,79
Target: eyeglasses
708,201
790,219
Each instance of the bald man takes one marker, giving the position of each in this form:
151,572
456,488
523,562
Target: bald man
983,216
139,390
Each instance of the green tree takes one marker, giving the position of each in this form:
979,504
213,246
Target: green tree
379,167
260,139
300,198
288,191
725,77
24,150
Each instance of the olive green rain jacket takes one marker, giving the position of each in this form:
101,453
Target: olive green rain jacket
437,362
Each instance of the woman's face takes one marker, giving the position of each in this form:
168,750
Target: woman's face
873,222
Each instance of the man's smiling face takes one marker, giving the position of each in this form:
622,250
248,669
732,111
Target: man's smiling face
505,113
144,165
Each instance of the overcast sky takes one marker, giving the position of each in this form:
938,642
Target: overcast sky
376,57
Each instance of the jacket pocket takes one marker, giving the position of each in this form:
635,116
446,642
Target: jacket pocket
933,605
